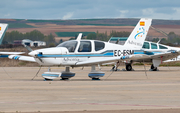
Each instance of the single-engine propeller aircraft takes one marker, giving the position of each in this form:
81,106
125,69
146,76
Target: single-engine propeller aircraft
165,53
77,53
156,54
3,28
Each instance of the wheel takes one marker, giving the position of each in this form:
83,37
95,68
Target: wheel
153,68
46,79
95,79
64,78
114,69
128,67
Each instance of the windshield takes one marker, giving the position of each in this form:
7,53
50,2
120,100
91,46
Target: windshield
70,45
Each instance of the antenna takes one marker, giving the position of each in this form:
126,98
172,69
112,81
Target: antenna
79,36
158,41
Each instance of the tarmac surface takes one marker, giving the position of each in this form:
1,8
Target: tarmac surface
121,91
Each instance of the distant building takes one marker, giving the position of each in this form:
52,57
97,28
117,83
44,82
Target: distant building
17,43
33,43
38,43
26,42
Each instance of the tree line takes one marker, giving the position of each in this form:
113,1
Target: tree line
173,39
34,35
105,36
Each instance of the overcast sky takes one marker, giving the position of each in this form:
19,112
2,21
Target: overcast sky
85,9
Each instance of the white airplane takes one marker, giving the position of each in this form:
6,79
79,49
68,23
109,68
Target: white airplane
157,53
79,52
152,48
3,28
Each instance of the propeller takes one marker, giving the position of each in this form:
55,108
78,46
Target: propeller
39,56
28,48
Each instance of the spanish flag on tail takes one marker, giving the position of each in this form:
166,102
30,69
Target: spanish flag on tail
142,23
0,28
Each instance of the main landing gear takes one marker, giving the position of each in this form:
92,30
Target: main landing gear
114,68
128,67
153,68
65,75
94,74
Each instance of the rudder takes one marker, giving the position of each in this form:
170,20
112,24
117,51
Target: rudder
138,35
3,28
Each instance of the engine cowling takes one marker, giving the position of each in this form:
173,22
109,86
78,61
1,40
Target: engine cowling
49,51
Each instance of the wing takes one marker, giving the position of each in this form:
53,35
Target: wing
135,57
166,55
23,58
160,56
112,59
6,54
11,53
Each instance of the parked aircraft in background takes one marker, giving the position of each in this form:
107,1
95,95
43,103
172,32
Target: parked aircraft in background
3,28
157,53
79,52
166,53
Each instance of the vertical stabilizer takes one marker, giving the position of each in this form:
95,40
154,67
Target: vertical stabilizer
3,28
138,35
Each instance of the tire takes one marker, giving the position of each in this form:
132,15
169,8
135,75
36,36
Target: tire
128,67
153,68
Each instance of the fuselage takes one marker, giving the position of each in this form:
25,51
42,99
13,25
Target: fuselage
71,52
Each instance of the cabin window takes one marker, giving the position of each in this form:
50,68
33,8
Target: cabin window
99,45
70,45
85,46
153,46
162,47
146,45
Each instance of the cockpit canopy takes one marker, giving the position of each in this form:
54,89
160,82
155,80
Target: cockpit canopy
150,45
84,46
70,45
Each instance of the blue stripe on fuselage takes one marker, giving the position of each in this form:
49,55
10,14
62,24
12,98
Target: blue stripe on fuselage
104,54
80,55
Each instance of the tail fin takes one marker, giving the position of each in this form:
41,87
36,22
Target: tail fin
138,35
3,28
